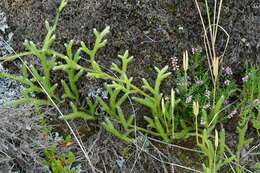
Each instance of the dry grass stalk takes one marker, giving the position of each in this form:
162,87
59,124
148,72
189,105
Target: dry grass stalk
210,38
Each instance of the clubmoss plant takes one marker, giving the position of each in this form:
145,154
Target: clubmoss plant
169,117
30,89
214,152
250,98
71,90
243,141
163,120
39,81
59,164
249,110
116,114
89,114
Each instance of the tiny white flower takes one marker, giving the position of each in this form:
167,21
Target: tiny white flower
227,82
232,114
207,94
199,82
202,122
206,106
189,99
244,79
228,71
175,65
181,28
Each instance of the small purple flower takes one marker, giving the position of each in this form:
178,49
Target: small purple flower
175,65
244,79
189,99
193,50
228,71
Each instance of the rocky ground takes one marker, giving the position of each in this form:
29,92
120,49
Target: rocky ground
9,90
153,31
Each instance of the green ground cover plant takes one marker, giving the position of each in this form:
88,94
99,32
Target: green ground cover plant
192,109
62,164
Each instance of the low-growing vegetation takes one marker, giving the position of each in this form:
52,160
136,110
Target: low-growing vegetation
205,99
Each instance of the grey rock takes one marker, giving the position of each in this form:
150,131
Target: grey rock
3,22
9,89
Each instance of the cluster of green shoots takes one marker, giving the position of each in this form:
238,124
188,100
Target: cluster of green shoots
170,117
59,164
